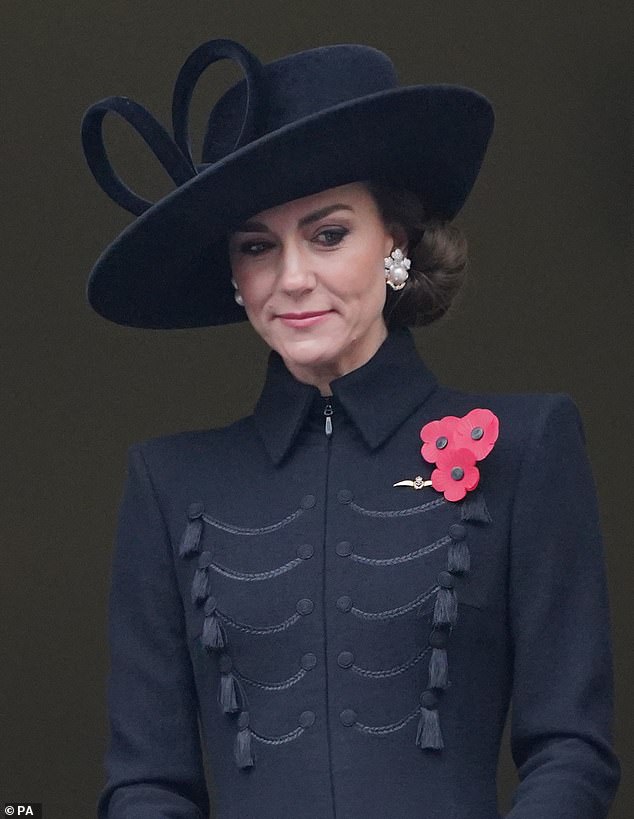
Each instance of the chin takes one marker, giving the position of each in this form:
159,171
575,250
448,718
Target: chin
310,352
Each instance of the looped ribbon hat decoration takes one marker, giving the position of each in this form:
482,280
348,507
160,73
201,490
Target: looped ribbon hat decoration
298,125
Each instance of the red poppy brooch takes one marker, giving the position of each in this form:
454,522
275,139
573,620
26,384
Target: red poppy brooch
454,445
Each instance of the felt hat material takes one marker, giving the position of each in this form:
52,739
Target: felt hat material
298,125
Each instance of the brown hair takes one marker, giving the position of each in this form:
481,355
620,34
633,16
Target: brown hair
438,252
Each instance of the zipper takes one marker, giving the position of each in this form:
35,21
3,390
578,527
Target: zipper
328,413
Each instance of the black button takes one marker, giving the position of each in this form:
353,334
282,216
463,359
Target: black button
305,550
309,661
344,548
457,473
441,442
305,606
457,531
210,605
477,433
446,580
195,510
348,717
308,501
204,560
345,659
438,638
344,603
428,699
344,496
243,719
225,663
306,719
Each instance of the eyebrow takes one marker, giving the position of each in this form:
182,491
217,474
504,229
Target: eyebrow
259,227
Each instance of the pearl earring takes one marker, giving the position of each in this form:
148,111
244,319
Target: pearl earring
237,295
396,267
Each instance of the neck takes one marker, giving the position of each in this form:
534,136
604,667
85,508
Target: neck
321,375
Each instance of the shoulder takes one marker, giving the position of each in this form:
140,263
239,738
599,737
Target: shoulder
541,445
180,452
524,417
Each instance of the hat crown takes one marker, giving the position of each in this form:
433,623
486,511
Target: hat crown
294,87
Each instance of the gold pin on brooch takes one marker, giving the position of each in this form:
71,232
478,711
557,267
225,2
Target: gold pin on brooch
417,483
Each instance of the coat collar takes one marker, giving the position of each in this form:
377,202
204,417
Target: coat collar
377,397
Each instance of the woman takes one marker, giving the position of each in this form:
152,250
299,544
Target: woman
347,588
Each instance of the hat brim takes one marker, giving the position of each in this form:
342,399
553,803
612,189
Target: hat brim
168,268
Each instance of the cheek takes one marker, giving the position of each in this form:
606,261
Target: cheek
362,277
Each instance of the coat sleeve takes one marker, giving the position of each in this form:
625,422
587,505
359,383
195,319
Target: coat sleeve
562,694
154,760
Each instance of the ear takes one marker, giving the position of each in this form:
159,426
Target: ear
399,237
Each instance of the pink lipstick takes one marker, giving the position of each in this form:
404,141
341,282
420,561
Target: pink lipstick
304,319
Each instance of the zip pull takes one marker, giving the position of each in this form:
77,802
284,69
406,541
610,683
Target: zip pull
328,411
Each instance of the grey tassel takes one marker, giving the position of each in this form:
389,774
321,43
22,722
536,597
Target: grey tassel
446,607
242,750
438,674
458,558
190,542
428,734
191,537
214,635
200,585
475,508
228,693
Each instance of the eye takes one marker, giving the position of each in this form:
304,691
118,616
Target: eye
331,236
254,248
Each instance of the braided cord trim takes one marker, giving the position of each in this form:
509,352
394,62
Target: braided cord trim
250,629
381,673
392,561
253,576
380,730
278,686
278,740
397,612
397,513
247,530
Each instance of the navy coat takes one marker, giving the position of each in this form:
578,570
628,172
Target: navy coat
350,648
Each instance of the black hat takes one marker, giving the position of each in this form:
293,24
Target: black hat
293,127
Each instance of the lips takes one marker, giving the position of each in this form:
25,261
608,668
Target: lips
306,318
305,315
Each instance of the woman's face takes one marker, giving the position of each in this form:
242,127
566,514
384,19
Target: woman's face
312,278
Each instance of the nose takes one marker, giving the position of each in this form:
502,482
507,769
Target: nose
296,274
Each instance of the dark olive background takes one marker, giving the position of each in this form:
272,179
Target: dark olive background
546,307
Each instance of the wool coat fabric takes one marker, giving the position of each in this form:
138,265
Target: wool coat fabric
341,648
